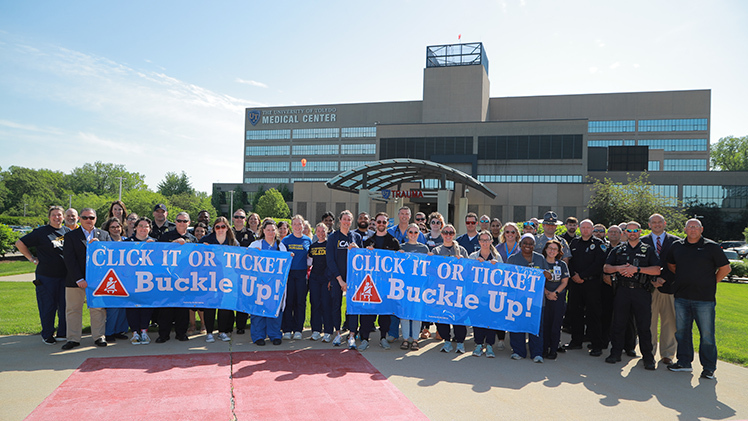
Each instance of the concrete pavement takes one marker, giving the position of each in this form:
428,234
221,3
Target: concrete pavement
443,386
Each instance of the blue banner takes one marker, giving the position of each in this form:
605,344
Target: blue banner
445,290
140,274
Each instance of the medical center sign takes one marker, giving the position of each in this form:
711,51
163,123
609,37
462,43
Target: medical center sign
293,116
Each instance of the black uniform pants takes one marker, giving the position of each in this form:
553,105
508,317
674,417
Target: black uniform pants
585,309
179,317
636,301
367,325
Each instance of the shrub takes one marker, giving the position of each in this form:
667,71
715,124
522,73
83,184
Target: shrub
8,238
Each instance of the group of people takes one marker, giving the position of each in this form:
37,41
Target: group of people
606,285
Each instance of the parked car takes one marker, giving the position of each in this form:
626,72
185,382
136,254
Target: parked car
742,251
732,256
732,244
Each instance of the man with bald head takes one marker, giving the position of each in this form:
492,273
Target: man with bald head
698,264
663,307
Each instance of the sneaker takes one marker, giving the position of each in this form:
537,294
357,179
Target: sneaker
478,351
337,340
224,337
678,367
363,346
297,335
390,338
61,339
384,343
287,336
538,359
315,336
351,342
489,351
135,339
144,338
209,338
500,346
516,356
49,341
325,338
460,348
708,374
447,347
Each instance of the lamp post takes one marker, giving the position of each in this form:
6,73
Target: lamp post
120,188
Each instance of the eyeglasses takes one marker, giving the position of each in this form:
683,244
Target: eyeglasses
239,216
132,219
220,227
529,224
598,230
510,232
634,230
111,227
183,221
448,233
436,222
484,221
413,232
469,222
484,240
420,219
381,222
88,218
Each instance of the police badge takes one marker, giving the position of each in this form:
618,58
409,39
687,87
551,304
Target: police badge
254,117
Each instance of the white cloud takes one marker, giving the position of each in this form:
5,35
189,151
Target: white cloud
593,70
251,83
29,127
615,65
600,43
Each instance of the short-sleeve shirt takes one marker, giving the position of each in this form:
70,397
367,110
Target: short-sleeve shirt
48,241
299,246
318,253
542,239
695,268
556,274
538,261
415,248
170,236
454,250
641,255
469,244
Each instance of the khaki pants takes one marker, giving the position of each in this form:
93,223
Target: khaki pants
74,300
663,307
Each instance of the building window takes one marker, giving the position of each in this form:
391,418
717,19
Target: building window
676,145
722,196
685,165
268,134
266,166
653,166
673,125
358,132
567,146
434,184
267,150
328,133
424,147
314,179
321,166
520,213
265,180
606,143
667,192
530,178
348,165
358,149
612,126
314,150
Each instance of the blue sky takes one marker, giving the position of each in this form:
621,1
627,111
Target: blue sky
161,86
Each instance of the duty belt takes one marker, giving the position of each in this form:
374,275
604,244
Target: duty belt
630,284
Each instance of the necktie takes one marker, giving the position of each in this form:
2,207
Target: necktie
659,245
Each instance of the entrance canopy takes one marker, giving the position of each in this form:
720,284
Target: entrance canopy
378,175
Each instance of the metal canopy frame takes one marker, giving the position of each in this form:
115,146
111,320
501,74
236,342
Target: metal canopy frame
386,173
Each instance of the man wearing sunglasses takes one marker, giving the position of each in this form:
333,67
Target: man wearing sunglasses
243,234
550,223
469,240
400,231
382,240
177,316
635,263
74,252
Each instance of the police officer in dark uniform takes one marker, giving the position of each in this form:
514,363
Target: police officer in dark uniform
160,223
178,316
585,302
243,234
635,264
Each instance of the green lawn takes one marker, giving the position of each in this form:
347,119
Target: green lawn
16,267
18,315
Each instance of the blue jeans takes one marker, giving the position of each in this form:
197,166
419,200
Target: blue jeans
686,312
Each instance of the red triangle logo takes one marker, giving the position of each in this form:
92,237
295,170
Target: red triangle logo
367,292
111,286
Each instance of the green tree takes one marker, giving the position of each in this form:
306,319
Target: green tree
174,184
730,154
256,197
613,203
142,202
193,204
240,197
271,204
7,239
37,189
287,194
103,179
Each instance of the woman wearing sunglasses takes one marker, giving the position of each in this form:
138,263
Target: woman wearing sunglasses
261,326
450,248
487,253
410,338
222,235
555,298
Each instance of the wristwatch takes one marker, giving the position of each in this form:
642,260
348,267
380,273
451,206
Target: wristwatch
638,269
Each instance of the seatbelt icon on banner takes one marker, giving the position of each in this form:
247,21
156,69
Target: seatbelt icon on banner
367,292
